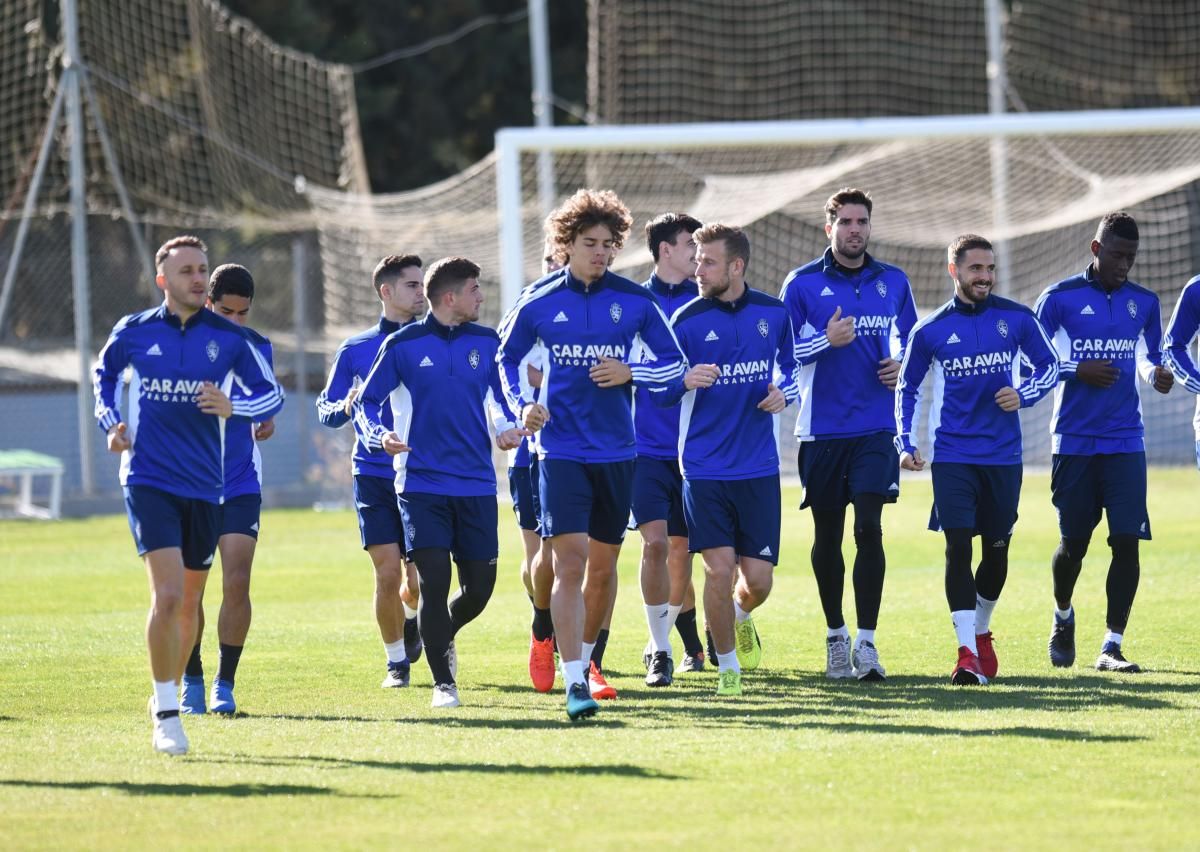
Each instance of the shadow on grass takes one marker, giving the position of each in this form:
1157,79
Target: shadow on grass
626,770
237,790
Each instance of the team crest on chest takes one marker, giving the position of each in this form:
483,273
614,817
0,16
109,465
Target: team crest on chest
763,327
881,288
614,311
213,350
1002,327
1131,306
473,359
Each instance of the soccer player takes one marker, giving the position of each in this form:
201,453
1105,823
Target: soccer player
401,292
1107,331
974,345
1177,346
666,567
172,466
439,376
852,315
589,321
741,343
231,295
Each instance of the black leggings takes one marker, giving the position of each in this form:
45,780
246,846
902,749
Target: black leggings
869,561
439,622
1124,572
988,580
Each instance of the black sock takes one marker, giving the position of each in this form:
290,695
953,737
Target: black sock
227,662
828,566
685,626
543,624
1123,576
598,651
194,667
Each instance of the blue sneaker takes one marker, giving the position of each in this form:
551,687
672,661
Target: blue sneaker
397,675
580,704
222,697
1062,641
191,701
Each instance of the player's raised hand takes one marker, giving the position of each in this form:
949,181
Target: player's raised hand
1163,380
264,430
118,441
889,373
212,400
1008,399
610,373
1099,374
774,402
840,330
701,376
912,461
393,446
510,439
534,416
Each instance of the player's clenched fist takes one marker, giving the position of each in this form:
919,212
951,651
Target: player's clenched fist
701,376
840,330
534,416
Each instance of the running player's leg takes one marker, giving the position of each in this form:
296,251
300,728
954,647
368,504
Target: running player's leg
652,486
600,600
1076,494
410,599
956,497
612,487
239,539
1124,497
720,568
822,467
873,480
996,519
756,507
383,538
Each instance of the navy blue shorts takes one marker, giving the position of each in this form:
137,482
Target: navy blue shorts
585,498
834,471
982,498
740,513
658,494
466,526
158,519
378,514
1082,486
522,485
241,514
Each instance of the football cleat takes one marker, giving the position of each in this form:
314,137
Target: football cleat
747,644
598,686
968,672
865,662
661,668
580,705
837,657
691,664
191,697
729,682
445,695
397,675
168,736
412,640
1062,641
222,697
987,655
541,664
1112,660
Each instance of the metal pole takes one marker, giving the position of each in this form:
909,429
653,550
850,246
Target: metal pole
543,97
508,200
81,290
299,367
998,148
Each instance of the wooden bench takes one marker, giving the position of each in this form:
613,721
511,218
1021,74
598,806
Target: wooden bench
24,465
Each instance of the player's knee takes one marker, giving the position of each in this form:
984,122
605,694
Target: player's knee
1074,549
868,536
759,584
167,601
720,574
958,548
1124,547
654,550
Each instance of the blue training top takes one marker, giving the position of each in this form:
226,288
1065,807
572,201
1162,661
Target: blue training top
657,428
176,447
1177,344
243,461
973,350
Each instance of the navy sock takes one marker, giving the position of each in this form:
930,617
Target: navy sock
227,663
543,624
194,667
685,626
598,651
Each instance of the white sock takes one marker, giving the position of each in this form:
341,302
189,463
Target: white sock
166,695
1116,638
983,614
964,628
1063,614
586,656
672,614
728,662
830,632
572,673
739,614
864,636
395,651
658,616
409,612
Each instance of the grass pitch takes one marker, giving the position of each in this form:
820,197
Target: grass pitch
324,758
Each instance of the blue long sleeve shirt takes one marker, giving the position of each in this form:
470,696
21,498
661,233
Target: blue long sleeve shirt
439,383
1087,323
579,326
243,461
722,432
1177,345
176,447
973,351
657,427
840,392
350,366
